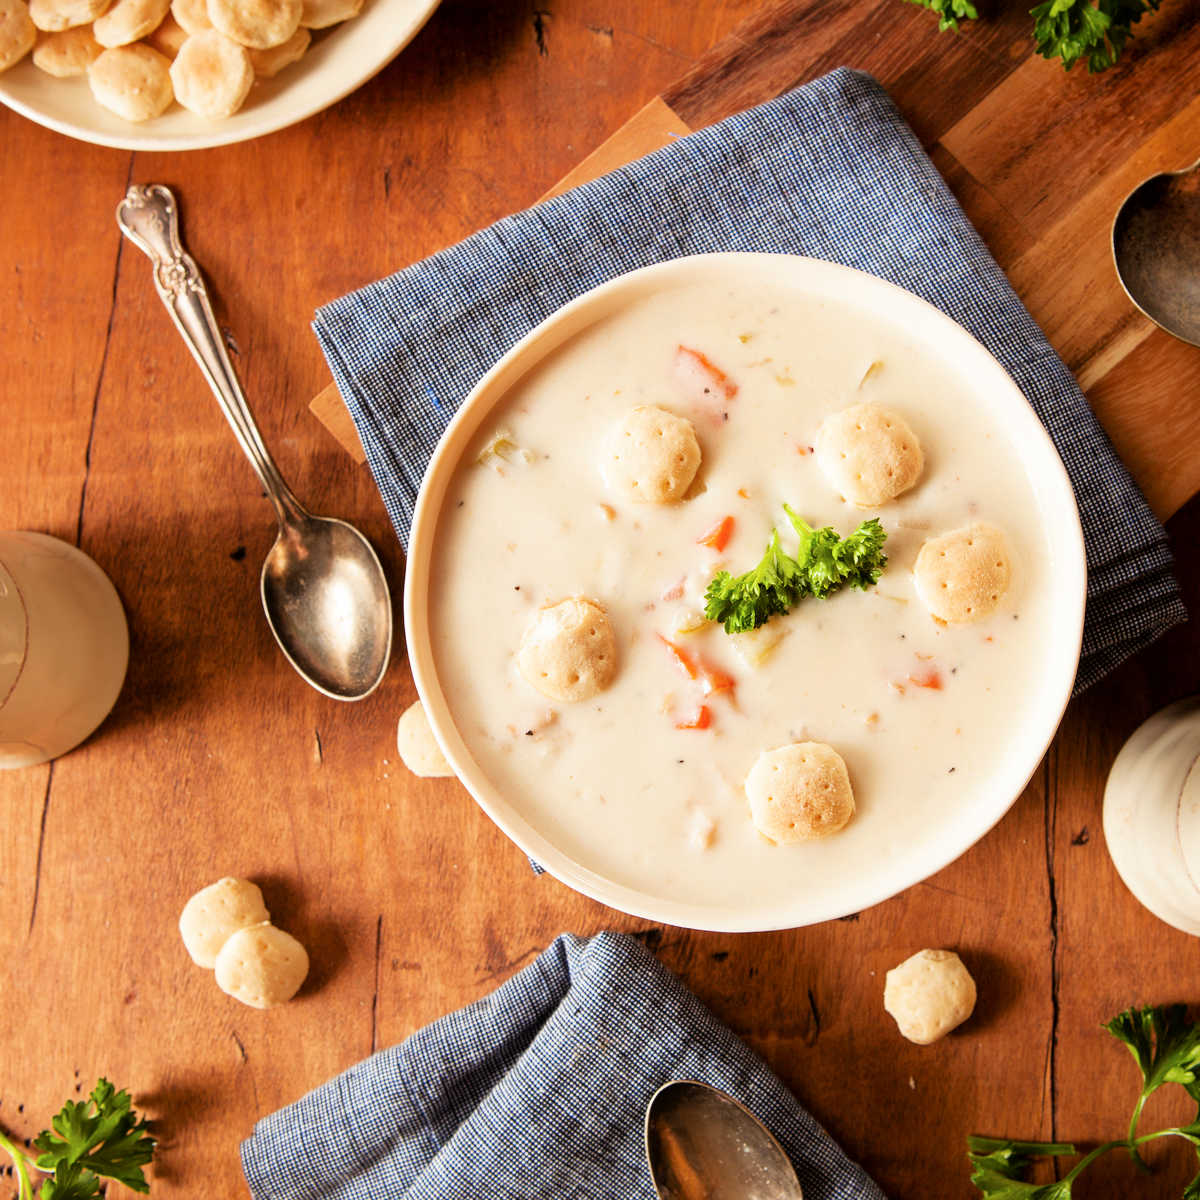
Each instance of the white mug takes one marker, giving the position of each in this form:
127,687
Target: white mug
1152,814
64,647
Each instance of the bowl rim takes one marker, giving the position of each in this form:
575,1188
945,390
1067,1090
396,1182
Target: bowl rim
1046,473
244,126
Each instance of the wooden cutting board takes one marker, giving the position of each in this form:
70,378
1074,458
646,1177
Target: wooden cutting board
1040,159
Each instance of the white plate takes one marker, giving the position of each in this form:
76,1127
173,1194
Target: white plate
340,59
927,326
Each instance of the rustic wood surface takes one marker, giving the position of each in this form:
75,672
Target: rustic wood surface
218,760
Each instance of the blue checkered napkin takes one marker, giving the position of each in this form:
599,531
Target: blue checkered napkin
537,1092
829,170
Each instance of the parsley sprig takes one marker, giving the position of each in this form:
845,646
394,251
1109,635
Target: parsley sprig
1166,1047
101,1137
1094,31
949,12
1080,29
823,562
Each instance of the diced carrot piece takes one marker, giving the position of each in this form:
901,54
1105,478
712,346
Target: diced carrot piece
930,678
702,719
673,593
715,680
694,360
718,536
712,678
745,495
686,663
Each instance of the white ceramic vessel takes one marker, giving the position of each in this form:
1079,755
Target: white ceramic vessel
64,647
1152,814
340,60
1031,730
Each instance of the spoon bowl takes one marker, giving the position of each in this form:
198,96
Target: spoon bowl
703,1145
327,603
1156,249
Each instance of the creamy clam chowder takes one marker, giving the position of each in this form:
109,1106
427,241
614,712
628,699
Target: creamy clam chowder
644,782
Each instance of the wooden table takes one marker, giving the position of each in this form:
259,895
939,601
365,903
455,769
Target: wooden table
218,760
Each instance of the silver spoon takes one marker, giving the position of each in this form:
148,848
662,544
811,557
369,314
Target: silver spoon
1156,248
323,590
703,1145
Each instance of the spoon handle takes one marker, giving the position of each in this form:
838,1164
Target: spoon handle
149,217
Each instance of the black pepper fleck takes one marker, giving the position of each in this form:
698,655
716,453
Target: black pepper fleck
529,733
951,771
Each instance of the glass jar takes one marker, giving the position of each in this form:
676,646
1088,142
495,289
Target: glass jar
64,647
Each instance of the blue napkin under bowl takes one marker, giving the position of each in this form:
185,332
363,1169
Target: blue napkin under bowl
829,170
536,1092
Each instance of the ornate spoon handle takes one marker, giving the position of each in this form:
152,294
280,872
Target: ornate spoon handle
149,217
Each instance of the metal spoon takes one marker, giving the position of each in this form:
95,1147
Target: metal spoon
703,1145
1156,247
323,590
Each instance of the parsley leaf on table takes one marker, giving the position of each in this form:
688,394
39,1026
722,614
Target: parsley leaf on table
1082,29
1000,1163
97,1138
949,12
1166,1047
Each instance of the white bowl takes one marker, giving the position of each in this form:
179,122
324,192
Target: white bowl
340,59
1055,498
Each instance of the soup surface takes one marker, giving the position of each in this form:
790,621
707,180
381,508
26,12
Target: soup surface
920,711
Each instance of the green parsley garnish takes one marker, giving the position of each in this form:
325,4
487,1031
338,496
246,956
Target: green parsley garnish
1092,30
823,563
1166,1047
1080,29
949,12
98,1138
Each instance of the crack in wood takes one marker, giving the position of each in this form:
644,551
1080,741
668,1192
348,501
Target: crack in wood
539,30
37,870
112,312
1050,819
816,1018
375,995
237,1041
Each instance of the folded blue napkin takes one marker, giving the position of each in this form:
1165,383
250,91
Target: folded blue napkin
829,170
536,1092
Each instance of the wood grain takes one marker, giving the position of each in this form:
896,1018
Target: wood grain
218,760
